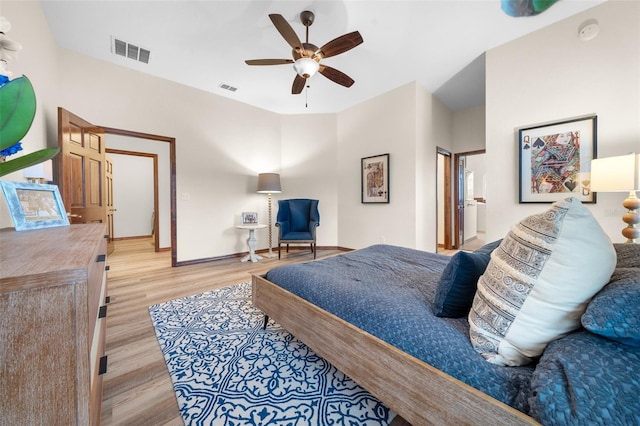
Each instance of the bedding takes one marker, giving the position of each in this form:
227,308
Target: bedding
389,291
587,377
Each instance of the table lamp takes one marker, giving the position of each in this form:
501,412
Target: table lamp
620,174
269,183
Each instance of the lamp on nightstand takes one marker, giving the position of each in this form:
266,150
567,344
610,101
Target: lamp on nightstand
269,183
620,174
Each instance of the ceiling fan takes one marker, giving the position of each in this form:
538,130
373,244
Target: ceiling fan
307,56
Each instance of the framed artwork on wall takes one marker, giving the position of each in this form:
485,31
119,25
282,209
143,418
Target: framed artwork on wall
34,205
249,218
555,160
375,179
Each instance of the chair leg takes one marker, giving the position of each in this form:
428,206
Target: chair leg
279,246
315,249
287,248
265,321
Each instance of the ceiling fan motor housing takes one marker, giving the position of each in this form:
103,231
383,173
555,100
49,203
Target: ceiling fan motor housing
307,18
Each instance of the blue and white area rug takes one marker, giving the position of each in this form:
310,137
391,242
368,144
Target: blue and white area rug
227,370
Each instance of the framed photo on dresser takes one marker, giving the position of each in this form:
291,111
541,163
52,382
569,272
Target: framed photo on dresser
34,205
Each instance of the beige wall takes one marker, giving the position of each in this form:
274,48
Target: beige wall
408,123
552,75
469,129
309,167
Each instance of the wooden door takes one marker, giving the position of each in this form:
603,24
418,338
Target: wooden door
460,163
81,168
108,174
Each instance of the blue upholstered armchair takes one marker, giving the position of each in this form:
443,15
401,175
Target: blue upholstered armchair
297,222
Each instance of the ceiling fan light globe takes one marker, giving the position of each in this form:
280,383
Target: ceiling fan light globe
306,67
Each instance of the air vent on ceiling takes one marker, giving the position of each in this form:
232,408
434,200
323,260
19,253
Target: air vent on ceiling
129,50
227,87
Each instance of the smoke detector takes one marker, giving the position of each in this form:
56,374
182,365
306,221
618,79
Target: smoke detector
588,30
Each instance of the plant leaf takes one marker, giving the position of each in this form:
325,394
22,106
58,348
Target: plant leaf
27,160
17,109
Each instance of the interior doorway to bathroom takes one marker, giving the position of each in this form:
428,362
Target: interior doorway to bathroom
470,199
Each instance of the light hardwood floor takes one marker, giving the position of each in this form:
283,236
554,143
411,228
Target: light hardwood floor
137,386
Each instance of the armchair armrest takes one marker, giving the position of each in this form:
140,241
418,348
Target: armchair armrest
312,227
284,226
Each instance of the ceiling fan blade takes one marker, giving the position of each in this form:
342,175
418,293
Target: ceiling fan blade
298,85
340,45
336,76
286,31
268,61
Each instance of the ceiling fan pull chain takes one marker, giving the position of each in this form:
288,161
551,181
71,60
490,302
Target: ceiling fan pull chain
306,96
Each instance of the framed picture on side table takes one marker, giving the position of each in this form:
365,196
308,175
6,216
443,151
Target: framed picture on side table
555,160
249,218
34,205
375,179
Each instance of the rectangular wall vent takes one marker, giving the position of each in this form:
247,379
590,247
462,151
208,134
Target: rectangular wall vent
227,87
131,51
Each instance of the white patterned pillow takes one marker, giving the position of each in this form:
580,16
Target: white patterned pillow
538,283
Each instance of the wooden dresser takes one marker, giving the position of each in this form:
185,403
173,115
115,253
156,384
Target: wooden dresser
52,325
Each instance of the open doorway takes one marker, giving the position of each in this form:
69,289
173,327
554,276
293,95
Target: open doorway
135,190
171,176
470,197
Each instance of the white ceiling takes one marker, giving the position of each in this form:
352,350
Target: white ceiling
203,44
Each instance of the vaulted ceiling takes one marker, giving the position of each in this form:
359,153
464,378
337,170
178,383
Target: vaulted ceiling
203,44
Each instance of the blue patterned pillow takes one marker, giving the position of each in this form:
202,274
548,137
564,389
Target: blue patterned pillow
458,282
614,312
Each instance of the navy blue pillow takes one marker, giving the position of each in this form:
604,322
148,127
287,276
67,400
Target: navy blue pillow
459,281
489,247
614,312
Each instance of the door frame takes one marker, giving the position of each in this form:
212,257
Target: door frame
172,179
447,201
459,207
154,157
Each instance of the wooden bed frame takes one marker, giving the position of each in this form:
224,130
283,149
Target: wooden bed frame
418,392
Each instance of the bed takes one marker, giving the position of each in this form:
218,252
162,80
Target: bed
370,312
378,330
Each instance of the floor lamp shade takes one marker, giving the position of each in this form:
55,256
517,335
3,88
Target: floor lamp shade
620,174
269,183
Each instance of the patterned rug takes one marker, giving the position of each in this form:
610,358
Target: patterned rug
227,370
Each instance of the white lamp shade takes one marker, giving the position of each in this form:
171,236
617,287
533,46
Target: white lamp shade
616,174
42,170
269,183
306,67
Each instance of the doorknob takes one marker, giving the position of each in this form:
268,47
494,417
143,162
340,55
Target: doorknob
73,215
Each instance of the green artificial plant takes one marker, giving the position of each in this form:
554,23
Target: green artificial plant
17,110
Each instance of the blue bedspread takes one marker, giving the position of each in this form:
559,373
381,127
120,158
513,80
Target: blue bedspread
389,291
585,379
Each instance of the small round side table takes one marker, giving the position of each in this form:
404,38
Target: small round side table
251,241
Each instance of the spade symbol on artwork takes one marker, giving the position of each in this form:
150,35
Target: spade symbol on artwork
526,146
570,184
539,143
